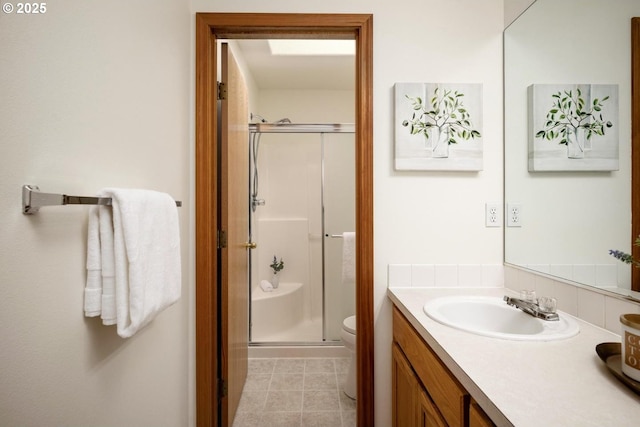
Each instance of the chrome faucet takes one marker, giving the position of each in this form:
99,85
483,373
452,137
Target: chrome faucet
532,307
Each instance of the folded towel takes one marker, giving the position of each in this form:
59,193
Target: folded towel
266,285
108,315
147,256
93,287
348,257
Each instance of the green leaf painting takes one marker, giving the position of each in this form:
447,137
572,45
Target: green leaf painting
438,126
573,127
445,110
569,112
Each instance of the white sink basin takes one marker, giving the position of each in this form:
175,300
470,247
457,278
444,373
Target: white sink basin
492,317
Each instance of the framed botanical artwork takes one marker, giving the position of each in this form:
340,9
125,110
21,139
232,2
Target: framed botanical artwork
573,127
438,126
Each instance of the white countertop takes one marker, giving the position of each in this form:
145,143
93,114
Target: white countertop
557,383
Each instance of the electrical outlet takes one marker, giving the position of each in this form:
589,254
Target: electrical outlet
514,215
492,215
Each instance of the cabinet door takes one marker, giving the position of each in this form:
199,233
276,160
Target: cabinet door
428,414
405,388
445,391
477,417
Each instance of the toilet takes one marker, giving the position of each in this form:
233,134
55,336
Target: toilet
348,335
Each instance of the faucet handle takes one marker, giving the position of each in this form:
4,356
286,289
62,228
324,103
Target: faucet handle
548,304
528,295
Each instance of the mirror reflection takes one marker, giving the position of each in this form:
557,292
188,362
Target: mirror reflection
566,220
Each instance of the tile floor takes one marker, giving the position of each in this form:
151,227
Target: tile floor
296,392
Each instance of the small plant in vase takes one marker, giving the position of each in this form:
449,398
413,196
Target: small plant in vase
276,266
625,257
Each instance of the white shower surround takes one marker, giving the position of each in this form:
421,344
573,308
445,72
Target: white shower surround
289,174
286,238
276,315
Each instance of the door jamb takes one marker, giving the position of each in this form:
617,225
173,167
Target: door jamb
635,148
210,27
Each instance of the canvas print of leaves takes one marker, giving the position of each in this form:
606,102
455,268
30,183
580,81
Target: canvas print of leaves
438,126
573,127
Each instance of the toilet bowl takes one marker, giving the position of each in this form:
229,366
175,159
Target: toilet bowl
348,335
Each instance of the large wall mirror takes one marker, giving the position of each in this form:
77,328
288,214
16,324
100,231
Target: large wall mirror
572,212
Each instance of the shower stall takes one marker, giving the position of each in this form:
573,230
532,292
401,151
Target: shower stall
302,201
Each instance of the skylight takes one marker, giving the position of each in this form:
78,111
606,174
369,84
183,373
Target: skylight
313,47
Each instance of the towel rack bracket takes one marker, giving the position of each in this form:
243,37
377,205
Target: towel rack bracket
33,199
29,202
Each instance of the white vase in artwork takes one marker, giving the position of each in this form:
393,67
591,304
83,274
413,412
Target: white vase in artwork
575,143
440,142
275,280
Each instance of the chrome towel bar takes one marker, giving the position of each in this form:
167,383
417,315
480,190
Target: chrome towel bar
33,199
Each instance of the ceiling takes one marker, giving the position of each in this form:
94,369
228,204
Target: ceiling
296,72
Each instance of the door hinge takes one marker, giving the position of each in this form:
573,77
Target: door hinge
222,388
222,90
222,239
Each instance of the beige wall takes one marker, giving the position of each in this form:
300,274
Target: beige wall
92,94
513,9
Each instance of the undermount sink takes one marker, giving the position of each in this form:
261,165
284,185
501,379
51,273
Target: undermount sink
492,317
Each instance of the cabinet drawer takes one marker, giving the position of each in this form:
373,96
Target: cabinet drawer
446,392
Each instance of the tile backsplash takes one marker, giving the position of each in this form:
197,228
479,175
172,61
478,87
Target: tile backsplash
597,308
590,274
446,275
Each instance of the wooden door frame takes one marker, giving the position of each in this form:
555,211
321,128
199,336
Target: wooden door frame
209,28
635,148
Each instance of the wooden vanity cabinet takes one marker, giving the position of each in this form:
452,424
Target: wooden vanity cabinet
477,417
425,393
412,407
428,414
405,391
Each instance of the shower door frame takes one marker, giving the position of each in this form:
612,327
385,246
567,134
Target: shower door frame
297,128
209,27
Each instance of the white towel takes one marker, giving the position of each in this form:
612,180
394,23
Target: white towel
99,293
147,256
348,257
108,315
93,287
266,286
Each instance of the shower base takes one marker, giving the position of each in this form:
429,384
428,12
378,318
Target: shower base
304,331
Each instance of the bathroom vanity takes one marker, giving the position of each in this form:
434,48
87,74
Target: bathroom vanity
425,393
443,376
